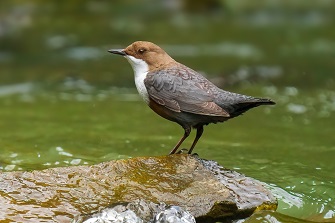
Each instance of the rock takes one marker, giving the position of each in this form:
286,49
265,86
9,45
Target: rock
203,188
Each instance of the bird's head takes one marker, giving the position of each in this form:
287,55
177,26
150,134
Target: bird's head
141,51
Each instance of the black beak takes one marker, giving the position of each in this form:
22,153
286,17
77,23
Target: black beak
118,51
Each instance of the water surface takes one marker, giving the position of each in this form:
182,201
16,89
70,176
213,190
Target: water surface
289,146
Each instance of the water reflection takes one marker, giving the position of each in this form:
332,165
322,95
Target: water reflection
22,88
84,53
296,108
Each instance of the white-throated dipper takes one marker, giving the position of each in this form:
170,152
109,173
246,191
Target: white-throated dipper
180,94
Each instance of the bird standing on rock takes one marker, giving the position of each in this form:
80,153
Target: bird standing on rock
180,94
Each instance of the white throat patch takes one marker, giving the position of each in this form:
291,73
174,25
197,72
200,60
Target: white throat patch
141,69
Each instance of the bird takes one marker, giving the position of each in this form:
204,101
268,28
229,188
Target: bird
179,93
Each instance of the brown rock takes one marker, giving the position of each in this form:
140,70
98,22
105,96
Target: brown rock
201,187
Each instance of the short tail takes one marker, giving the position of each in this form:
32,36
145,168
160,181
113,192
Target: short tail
244,106
264,101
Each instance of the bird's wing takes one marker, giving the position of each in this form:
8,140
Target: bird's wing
181,89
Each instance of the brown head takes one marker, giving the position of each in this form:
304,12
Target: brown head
154,56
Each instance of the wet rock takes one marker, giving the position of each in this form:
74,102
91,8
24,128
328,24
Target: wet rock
202,188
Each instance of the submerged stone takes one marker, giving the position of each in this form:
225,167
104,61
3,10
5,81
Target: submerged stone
202,188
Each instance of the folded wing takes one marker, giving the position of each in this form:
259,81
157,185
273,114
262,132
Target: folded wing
180,89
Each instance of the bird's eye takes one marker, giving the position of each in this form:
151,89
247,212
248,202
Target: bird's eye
141,51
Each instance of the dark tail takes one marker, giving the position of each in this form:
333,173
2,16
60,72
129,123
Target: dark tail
264,101
244,106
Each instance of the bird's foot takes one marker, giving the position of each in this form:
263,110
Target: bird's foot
196,155
186,151
182,151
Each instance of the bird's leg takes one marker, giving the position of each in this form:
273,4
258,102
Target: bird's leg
200,130
186,134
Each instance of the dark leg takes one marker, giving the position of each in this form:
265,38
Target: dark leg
200,130
186,134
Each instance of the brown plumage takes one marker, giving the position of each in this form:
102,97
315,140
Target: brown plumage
180,94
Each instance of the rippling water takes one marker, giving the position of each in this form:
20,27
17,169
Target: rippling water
289,146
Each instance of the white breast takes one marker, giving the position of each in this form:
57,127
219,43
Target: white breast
141,69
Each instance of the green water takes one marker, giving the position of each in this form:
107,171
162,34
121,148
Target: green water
289,146
65,101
